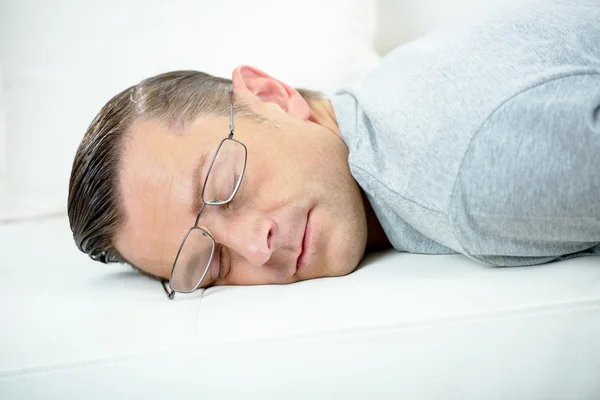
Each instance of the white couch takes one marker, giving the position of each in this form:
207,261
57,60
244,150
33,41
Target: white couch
400,327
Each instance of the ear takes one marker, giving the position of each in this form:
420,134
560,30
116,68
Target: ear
253,84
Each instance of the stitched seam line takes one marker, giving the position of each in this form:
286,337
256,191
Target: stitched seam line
362,112
396,193
462,162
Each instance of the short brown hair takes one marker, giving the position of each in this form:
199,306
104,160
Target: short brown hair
94,202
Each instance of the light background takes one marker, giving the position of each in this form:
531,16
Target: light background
61,60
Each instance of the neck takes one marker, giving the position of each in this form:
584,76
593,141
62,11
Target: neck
376,237
321,112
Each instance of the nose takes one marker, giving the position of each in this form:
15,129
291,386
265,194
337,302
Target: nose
248,235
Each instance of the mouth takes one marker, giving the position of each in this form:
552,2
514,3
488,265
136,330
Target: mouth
305,244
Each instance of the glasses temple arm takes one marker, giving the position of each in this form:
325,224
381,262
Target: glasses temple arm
170,293
231,124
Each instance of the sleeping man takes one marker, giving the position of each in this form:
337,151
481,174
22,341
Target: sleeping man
487,145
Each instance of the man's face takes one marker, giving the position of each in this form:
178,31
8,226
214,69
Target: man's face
297,215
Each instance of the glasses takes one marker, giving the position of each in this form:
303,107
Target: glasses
221,184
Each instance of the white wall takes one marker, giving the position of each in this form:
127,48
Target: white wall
62,60
400,21
2,140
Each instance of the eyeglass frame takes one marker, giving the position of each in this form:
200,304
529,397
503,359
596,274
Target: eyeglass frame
171,293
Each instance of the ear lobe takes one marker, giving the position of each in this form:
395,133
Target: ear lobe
250,81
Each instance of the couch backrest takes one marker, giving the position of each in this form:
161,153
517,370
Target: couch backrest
62,60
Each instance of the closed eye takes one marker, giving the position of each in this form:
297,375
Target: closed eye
219,255
223,267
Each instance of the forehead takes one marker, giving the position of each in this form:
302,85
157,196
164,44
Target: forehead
156,183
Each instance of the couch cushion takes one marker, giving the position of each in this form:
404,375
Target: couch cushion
402,325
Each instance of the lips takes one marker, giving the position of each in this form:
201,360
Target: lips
304,244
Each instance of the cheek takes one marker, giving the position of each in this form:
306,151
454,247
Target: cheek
242,273
172,220
252,275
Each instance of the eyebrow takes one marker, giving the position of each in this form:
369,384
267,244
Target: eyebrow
198,184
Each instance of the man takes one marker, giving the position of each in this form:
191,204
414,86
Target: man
487,146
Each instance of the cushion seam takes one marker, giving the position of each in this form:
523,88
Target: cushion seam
538,311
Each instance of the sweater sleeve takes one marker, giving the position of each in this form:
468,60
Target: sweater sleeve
528,190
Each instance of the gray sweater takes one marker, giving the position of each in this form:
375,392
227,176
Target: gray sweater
488,143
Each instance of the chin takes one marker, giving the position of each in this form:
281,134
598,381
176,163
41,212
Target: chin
346,264
344,259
